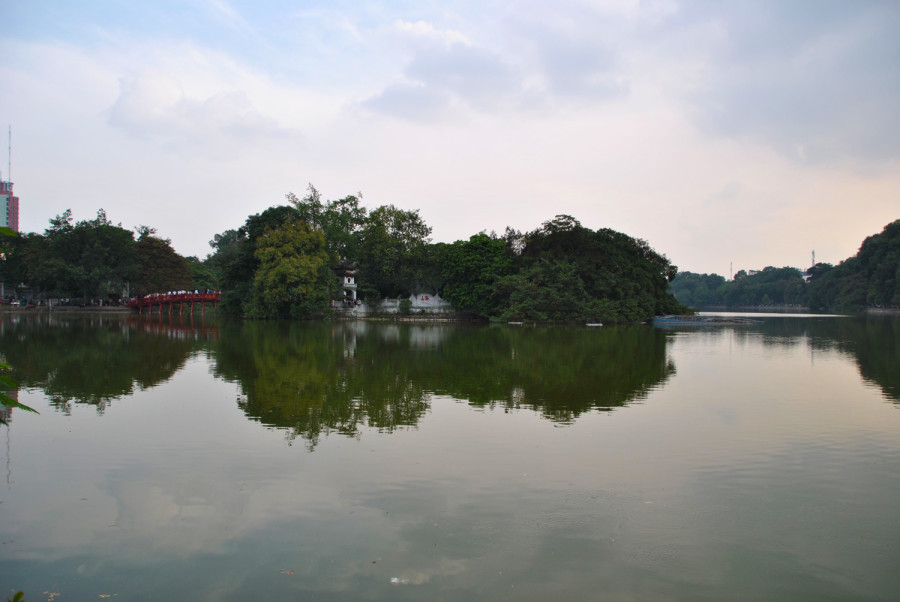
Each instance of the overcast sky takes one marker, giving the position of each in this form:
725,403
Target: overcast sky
747,132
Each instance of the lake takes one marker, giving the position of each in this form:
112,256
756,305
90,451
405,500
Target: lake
188,459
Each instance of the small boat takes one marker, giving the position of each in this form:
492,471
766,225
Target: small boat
688,320
594,324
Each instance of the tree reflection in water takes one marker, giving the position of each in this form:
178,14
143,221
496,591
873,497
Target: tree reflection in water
93,359
873,342
315,379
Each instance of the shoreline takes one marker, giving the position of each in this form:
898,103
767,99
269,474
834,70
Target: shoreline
64,309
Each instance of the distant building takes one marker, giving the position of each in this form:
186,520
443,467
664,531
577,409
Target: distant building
9,206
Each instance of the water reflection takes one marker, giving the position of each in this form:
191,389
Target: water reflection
312,379
873,342
754,474
97,358
315,379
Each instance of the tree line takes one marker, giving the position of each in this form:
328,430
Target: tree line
280,263
871,278
92,260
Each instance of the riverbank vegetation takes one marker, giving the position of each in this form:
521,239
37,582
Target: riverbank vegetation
871,278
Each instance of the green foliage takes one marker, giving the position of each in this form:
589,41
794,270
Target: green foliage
160,267
340,220
293,274
393,245
233,265
771,286
96,259
698,290
782,286
470,269
879,264
236,263
870,278
25,261
203,277
571,273
90,259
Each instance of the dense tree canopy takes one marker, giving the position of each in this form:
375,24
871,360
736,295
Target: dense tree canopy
93,260
294,271
392,247
160,267
559,272
469,271
568,272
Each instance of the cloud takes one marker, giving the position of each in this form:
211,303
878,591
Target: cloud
476,75
427,30
586,68
441,80
412,101
153,105
818,81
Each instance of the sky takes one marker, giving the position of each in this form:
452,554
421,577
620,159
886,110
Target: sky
729,135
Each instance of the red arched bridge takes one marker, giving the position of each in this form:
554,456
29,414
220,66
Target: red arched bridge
180,298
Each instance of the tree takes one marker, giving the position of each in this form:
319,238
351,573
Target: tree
293,274
339,220
160,267
202,276
546,290
698,290
24,260
309,208
470,269
91,259
392,246
235,261
623,278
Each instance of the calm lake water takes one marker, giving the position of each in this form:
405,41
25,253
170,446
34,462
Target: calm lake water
222,460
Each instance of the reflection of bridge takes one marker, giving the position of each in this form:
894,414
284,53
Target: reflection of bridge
178,329
171,299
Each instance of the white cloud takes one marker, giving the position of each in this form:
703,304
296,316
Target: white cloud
423,29
153,105
820,76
